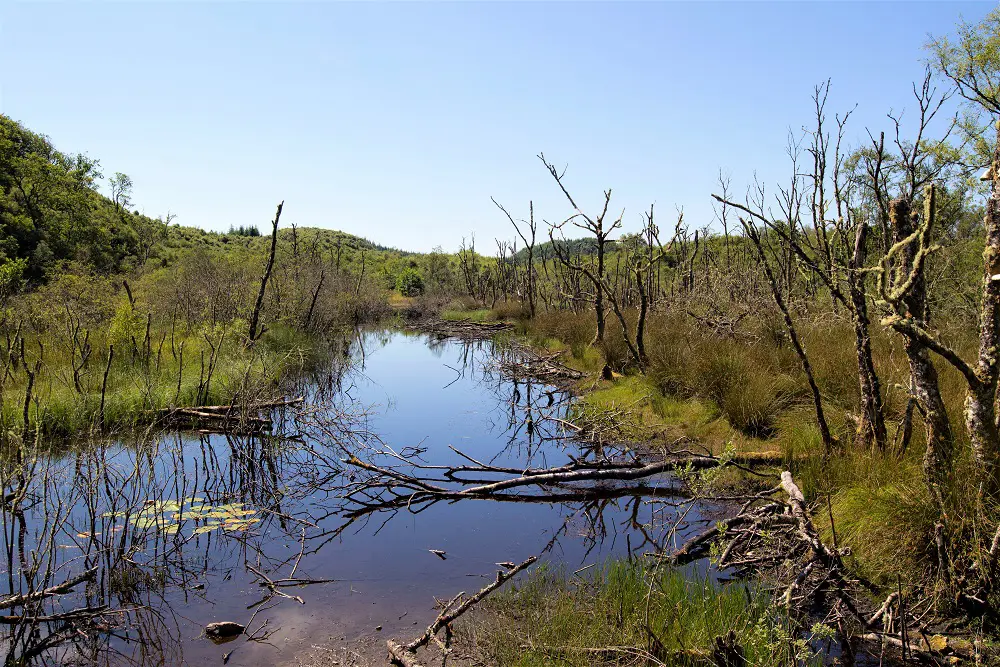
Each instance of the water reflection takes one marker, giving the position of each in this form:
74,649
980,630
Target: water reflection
283,534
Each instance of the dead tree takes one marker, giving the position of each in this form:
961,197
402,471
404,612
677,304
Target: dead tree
751,231
470,268
833,251
254,333
602,233
529,246
642,265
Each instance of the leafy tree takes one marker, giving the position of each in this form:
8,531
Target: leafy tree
410,282
121,191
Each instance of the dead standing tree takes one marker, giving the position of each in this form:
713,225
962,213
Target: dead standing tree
254,333
602,233
643,261
530,248
752,233
833,251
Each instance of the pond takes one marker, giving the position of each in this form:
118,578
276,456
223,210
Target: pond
181,530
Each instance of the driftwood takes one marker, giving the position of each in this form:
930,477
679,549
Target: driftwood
406,655
777,536
388,488
224,418
65,587
461,329
526,363
81,614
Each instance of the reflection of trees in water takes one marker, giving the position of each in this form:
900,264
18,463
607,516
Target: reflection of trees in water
125,514
532,420
128,522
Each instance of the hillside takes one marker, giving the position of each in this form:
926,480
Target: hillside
53,215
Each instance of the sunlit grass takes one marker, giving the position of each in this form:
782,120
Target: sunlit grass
138,387
626,613
478,315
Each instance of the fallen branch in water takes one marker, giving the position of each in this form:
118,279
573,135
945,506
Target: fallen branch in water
406,655
65,587
525,363
387,488
225,418
237,407
65,617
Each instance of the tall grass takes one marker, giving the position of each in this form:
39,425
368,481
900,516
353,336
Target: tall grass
98,350
746,389
181,373
626,613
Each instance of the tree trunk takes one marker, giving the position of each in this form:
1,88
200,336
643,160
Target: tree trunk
255,317
871,430
779,300
939,455
599,298
980,410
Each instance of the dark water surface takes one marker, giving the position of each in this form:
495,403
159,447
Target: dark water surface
152,528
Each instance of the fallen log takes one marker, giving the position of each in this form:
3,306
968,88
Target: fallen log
920,652
797,502
65,587
65,617
398,654
462,329
233,408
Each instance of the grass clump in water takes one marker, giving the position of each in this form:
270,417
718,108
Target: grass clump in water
627,613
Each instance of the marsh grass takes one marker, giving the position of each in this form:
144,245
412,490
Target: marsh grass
624,613
476,315
137,387
745,391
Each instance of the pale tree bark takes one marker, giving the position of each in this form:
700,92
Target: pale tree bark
980,410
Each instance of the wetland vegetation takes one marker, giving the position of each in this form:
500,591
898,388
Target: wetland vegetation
765,439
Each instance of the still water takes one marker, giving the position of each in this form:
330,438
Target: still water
187,529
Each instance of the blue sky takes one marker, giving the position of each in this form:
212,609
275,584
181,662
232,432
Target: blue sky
398,121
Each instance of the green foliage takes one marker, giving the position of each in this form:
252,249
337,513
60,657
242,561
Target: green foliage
248,230
51,211
11,277
623,609
410,282
126,326
973,60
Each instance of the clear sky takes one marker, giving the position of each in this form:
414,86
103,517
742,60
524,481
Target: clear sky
397,122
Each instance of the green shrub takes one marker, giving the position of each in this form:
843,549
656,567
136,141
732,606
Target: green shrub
410,283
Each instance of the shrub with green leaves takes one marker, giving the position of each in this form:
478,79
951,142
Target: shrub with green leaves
410,283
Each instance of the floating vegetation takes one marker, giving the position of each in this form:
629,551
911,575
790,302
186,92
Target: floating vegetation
168,516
